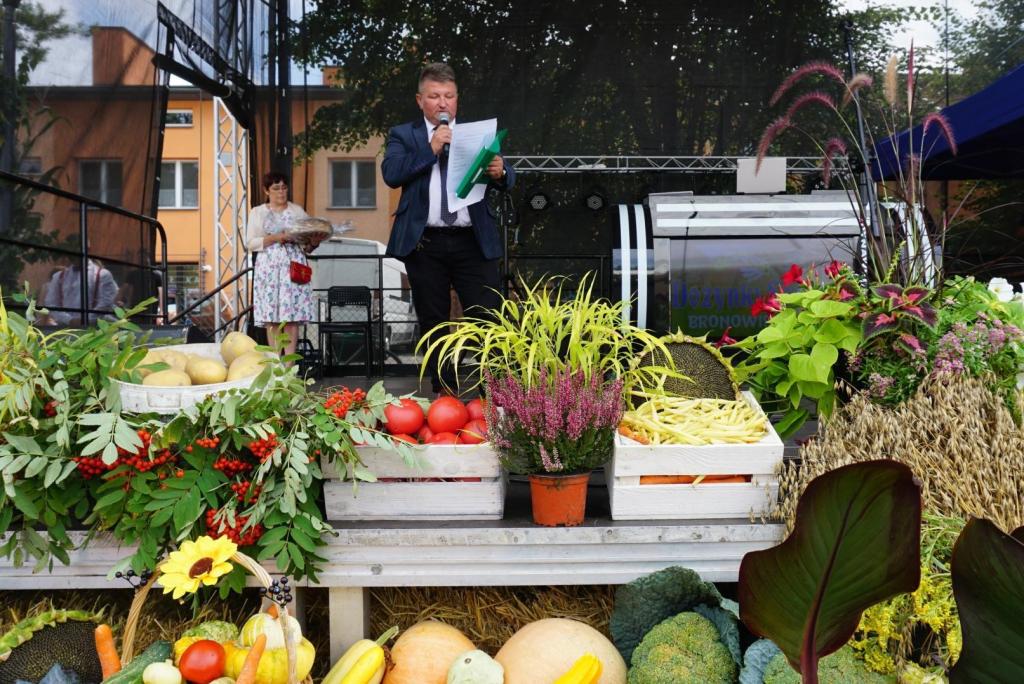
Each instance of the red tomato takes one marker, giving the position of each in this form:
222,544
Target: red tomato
425,434
476,409
402,437
202,662
474,432
447,414
444,438
404,419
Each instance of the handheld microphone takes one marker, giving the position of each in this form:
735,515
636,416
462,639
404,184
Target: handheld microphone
442,119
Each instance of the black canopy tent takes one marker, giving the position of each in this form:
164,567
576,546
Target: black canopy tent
988,128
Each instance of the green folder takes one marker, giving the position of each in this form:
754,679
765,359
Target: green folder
476,169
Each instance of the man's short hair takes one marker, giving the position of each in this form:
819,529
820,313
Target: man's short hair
437,71
274,177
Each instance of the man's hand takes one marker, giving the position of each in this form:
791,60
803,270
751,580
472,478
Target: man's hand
442,135
496,169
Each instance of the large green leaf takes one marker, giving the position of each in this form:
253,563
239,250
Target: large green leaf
988,583
856,542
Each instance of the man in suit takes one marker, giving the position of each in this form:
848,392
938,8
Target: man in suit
441,249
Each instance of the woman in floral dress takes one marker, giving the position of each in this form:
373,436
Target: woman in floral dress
276,299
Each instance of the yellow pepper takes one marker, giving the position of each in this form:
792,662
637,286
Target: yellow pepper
273,668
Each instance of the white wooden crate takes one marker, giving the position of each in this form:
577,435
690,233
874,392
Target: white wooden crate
631,500
483,500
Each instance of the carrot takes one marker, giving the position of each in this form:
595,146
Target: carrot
247,675
272,610
692,479
110,662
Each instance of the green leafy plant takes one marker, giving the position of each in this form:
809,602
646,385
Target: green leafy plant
813,332
856,541
55,394
243,464
548,330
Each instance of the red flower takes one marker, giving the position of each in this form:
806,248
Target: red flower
725,339
795,274
769,305
834,268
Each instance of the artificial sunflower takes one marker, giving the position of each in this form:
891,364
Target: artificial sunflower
196,563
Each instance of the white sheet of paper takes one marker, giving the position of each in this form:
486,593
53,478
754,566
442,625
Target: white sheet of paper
467,140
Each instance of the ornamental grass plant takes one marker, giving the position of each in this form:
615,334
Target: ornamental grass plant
548,329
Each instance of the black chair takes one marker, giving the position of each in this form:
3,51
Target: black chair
311,363
356,305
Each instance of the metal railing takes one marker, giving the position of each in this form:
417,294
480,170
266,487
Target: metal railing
83,254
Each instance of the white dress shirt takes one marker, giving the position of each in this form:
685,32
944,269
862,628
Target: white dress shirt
434,215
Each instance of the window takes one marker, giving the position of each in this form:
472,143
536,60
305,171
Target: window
178,118
354,184
179,185
100,179
31,167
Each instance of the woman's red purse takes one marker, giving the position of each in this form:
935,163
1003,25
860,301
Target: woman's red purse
300,273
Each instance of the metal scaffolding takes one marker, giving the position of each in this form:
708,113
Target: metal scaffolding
231,202
633,164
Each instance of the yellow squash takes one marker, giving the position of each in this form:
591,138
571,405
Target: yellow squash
586,670
273,668
363,662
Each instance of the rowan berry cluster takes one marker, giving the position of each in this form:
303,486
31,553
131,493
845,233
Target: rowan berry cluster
50,408
264,448
208,442
234,533
231,466
140,460
246,492
339,403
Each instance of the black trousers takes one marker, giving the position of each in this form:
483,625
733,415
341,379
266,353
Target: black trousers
449,258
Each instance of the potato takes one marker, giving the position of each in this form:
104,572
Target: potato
152,356
204,371
168,378
234,345
175,359
246,365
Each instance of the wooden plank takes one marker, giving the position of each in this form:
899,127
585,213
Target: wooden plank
415,500
349,618
683,501
435,460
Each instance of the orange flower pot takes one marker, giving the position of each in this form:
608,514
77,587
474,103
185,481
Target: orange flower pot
559,500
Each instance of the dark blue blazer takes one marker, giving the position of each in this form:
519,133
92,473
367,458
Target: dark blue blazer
408,161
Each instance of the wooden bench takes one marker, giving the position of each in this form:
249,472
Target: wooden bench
509,552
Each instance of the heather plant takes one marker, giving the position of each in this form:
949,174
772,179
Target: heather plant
560,425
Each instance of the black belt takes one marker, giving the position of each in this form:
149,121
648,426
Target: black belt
448,230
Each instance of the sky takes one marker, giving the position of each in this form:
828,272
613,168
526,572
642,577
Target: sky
69,61
921,32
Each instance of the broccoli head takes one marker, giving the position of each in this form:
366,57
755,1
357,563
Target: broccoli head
841,667
644,602
685,648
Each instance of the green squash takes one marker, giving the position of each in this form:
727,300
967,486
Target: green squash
476,667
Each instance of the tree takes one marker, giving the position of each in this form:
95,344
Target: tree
670,77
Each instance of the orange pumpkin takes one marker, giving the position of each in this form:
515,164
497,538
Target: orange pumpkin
544,650
424,652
